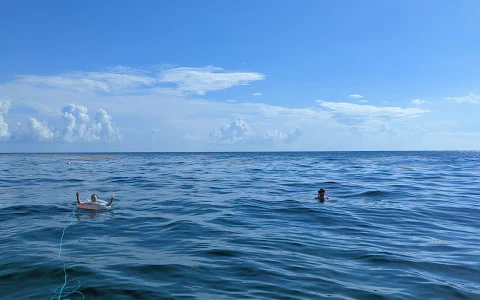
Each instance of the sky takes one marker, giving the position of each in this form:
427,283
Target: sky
270,75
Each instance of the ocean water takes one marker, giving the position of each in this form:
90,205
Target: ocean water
398,225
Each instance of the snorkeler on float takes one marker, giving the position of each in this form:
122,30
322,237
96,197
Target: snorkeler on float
94,203
321,195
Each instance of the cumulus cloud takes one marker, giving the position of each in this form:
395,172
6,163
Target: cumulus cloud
238,131
80,128
374,129
418,101
76,124
201,80
470,98
276,135
386,130
287,138
257,94
355,96
232,132
105,128
4,107
33,130
4,133
293,135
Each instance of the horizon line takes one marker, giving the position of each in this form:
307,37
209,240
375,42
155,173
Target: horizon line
291,151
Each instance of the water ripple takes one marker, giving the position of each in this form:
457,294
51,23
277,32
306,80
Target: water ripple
398,225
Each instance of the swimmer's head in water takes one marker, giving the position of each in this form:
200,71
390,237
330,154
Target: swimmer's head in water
321,192
94,197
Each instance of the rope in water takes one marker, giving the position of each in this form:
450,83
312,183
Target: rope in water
66,291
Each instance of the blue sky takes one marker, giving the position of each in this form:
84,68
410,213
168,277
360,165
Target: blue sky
239,75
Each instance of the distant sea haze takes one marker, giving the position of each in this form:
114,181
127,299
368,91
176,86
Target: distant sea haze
397,225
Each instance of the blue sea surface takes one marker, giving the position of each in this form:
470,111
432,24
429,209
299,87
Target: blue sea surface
398,225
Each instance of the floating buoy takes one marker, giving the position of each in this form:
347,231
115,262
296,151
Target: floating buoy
98,205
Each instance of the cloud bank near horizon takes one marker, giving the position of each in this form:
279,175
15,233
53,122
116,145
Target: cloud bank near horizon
78,127
167,99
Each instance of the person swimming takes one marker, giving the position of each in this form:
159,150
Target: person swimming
321,195
94,198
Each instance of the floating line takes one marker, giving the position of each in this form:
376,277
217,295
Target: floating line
63,290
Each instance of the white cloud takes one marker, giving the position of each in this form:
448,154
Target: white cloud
470,98
374,123
370,110
293,135
231,101
363,101
418,101
4,133
4,107
232,132
126,80
95,81
33,130
105,128
239,131
355,96
386,130
80,128
257,94
201,80
288,138
271,111
178,111
276,135
194,137
77,124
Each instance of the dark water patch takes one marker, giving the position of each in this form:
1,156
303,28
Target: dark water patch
371,194
186,186
220,253
332,183
39,211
